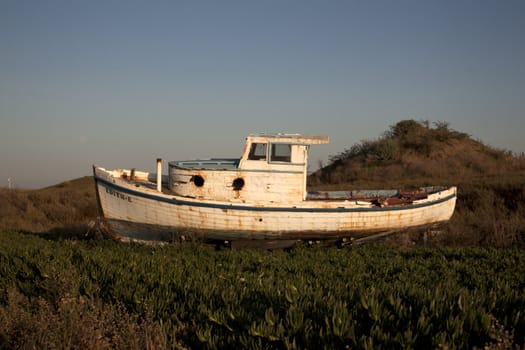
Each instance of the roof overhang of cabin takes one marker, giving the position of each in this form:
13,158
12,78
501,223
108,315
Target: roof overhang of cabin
297,139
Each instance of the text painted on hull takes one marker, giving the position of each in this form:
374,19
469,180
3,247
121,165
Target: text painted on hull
118,194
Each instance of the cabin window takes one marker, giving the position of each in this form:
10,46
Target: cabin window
257,151
281,152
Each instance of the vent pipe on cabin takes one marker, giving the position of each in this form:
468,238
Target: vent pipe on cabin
159,174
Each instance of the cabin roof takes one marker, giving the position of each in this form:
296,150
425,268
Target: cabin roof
297,139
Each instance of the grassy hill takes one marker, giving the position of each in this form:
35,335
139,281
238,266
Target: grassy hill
414,153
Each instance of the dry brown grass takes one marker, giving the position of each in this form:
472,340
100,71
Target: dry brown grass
69,205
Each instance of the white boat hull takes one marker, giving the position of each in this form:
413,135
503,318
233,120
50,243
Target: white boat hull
136,211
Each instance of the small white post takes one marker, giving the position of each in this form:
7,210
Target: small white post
159,174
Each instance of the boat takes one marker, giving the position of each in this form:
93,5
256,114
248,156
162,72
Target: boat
260,198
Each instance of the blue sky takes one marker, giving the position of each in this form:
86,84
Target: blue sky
120,83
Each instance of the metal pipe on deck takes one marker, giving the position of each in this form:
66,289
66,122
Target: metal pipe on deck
159,174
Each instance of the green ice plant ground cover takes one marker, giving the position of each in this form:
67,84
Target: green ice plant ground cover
105,294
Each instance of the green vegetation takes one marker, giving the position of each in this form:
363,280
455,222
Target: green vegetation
96,294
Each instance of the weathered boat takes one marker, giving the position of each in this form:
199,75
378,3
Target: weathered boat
260,197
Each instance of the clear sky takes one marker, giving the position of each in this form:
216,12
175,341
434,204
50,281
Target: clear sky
121,82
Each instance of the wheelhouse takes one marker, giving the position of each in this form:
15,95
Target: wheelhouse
272,168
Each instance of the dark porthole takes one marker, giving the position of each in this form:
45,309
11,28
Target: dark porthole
238,184
198,180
